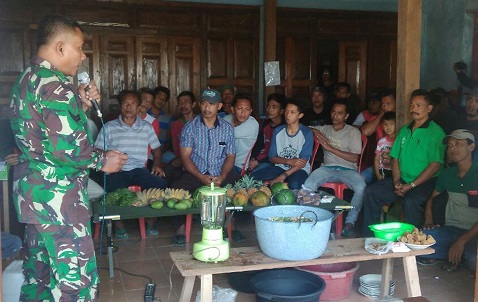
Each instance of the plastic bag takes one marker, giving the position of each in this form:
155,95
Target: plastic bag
378,246
220,294
272,73
306,196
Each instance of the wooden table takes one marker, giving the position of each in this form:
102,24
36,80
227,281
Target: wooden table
251,258
109,213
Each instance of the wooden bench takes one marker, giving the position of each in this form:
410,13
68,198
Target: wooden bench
251,258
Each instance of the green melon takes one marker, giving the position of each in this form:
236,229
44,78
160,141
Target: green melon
285,196
278,186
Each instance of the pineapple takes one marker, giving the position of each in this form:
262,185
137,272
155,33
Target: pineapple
251,191
229,191
266,190
242,191
247,185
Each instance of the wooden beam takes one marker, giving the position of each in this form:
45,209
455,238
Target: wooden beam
408,55
270,33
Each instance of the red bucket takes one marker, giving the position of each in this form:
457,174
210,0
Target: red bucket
338,278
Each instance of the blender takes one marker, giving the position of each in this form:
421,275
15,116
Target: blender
213,247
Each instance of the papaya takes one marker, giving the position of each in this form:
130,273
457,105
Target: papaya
259,199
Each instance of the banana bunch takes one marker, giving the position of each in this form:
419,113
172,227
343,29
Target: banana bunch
145,197
179,194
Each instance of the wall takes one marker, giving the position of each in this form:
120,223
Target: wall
447,37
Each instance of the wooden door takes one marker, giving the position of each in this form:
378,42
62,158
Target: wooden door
297,76
353,66
15,56
184,67
152,68
232,60
117,70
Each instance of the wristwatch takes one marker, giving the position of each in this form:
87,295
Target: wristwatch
413,184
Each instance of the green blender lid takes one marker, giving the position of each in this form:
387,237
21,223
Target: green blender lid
212,191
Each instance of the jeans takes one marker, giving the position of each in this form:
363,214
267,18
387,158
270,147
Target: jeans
445,236
351,178
139,176
382,192
369,175
294,181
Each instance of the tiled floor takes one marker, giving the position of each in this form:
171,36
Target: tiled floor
150,258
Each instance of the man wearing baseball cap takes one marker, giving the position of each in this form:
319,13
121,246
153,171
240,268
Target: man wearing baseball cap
207,149
456,235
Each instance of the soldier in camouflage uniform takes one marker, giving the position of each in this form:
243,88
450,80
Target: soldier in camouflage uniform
50,181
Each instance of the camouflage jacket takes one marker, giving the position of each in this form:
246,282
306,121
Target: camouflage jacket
50,128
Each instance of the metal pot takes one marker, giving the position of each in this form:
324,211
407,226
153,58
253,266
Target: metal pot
293,241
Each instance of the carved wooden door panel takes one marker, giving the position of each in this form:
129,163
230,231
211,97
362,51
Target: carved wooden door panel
152,62
117,69
15,54
232,60
184,67
353,66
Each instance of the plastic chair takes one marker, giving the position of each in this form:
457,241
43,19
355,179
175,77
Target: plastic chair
246,161
340,187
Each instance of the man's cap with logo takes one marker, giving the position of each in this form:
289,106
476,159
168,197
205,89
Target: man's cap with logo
460,134
211,95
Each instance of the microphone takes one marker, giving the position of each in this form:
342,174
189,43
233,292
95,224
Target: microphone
84,78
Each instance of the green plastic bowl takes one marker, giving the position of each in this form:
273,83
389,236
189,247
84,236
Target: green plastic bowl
390,231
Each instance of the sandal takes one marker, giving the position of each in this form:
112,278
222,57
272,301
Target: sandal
427,261
121,234
450,267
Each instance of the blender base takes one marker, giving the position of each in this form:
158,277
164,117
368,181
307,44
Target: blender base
212,248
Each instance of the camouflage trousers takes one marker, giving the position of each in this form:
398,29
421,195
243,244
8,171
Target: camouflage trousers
59,264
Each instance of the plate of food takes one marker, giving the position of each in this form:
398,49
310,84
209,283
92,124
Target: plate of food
418,246
417,240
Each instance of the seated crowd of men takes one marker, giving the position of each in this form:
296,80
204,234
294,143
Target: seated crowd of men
224,140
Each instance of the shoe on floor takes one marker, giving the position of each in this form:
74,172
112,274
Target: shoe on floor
427,261
152,232
179,240
121,234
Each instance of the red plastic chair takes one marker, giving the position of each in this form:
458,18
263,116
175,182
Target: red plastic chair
340,187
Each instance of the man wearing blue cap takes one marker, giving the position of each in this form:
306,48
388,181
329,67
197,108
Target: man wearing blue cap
207,149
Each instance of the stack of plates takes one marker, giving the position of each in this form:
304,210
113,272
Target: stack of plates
370,285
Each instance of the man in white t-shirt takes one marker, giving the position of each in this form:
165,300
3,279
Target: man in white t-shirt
245,126
342,147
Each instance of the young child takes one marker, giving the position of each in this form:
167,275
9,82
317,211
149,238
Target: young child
382,153
290,151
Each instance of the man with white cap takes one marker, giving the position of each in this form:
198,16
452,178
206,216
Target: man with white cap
456,238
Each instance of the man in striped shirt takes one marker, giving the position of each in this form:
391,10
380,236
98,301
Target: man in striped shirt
132,135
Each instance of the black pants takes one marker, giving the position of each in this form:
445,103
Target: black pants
383,192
